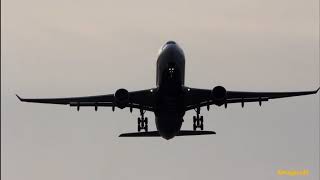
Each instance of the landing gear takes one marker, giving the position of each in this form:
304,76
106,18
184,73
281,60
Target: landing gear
142,122
197,120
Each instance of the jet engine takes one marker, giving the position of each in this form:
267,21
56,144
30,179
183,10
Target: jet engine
121,98
219,95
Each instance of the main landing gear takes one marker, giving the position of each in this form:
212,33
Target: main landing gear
197,120
142,122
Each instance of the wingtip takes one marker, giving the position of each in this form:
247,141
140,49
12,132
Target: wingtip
317,90
19,97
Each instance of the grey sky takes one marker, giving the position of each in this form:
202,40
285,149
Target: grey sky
75,48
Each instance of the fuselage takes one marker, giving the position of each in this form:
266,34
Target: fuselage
170,84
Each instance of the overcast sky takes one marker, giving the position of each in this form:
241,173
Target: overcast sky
67,48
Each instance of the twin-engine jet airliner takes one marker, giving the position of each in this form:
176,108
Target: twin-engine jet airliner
170,99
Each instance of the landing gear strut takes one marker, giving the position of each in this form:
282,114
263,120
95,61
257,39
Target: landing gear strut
197,120
142,122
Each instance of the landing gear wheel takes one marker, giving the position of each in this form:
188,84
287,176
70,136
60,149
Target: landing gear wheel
197,120
139,128
201,122
142,122
194,127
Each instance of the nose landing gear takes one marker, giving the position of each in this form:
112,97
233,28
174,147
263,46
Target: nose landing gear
142,122
197,120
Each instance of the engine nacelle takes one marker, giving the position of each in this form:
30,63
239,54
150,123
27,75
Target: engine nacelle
219,95
121,98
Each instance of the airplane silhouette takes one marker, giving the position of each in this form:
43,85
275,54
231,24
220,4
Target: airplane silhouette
170,99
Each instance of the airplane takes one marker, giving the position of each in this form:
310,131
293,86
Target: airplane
170,99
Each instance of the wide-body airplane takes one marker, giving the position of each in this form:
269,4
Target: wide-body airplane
170,99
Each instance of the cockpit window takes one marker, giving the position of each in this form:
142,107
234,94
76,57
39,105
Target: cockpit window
171,42
167,43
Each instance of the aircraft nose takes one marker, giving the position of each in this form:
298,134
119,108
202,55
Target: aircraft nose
171,42
169,45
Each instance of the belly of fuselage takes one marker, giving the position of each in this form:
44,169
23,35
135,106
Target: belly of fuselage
169,116
168,124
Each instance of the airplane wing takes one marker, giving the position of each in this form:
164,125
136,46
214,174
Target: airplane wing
143,100
196,98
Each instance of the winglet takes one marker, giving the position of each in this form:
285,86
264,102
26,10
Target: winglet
19,97
317,90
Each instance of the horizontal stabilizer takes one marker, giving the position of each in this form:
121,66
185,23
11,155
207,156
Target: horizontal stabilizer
141,134
194,133
156,133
